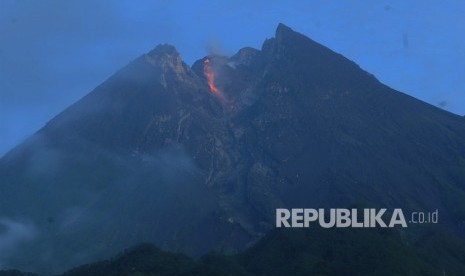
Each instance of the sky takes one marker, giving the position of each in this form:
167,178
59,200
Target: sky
53,52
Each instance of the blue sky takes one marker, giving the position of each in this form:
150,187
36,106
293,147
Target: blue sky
54,52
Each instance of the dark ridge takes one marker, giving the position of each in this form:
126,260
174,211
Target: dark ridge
313,251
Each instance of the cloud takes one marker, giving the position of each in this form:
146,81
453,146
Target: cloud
13,233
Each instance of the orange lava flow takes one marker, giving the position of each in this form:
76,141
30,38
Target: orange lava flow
208,73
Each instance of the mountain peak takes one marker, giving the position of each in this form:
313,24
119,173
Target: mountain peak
164,49
283,29
166,56
167,59
285,37
285,33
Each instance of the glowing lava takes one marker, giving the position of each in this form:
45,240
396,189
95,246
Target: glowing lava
208,73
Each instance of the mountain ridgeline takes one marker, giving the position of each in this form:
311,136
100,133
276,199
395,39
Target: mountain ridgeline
312,251
153,155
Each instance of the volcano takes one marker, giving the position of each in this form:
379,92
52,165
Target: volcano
152,155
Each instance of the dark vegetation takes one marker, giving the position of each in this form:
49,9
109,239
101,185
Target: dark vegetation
311,251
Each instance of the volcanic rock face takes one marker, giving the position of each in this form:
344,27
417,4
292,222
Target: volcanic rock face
152,155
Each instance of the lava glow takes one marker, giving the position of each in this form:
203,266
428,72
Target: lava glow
210,75
208,72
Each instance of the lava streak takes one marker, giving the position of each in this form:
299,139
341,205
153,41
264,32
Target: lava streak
208,73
